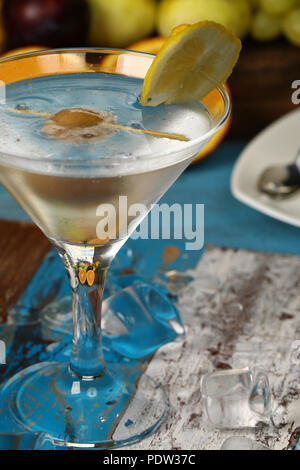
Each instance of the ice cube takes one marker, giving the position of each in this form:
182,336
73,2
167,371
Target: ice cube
236,398
138,320
242,443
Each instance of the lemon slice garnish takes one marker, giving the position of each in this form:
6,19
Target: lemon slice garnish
191,63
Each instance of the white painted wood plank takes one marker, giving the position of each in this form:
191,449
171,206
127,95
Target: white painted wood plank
256,307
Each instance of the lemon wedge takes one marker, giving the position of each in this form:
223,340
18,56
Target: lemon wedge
192,62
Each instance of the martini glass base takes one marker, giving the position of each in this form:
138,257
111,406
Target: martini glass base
113,410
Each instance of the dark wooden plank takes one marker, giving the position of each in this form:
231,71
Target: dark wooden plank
261,85
22,248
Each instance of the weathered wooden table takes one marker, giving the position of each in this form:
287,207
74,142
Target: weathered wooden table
252,320
240,309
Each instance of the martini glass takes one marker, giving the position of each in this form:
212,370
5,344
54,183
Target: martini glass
86,161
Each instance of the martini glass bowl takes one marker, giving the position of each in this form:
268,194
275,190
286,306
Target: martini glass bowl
69,177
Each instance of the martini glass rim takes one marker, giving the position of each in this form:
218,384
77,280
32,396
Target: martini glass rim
184,149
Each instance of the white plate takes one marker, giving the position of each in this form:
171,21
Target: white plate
276,145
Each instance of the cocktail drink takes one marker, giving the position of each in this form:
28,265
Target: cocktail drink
86,161
63,198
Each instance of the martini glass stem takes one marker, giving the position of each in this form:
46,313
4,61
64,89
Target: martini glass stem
87,268
87,356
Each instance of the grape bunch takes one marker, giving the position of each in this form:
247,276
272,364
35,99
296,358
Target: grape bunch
271,18
264,20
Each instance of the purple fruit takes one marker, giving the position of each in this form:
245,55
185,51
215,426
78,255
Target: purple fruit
53,23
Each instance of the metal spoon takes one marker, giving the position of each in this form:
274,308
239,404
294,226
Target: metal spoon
282,180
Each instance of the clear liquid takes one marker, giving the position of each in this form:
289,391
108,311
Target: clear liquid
62,199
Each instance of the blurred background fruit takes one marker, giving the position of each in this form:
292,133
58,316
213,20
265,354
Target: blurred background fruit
291,26
117,23
265,27
55,23
41,64
22,50
254,3
234,14
2,34
277,7
150,45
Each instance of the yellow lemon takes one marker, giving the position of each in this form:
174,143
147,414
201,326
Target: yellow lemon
191,63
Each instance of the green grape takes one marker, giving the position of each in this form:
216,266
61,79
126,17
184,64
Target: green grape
234,14
241,17
118,23
291,26
277,7
265,27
